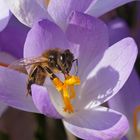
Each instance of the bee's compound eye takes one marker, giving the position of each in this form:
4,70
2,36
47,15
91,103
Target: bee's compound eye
62,58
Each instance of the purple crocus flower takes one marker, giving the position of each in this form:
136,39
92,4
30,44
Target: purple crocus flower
4,15
127,101
30,11
103,70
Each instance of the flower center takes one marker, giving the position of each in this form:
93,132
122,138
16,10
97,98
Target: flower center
47,2
67,90
135,121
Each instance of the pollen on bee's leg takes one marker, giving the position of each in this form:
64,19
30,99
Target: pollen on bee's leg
135,121
3,64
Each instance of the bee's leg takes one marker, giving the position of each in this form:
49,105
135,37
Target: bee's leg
50,73
76,67
55,80
37,76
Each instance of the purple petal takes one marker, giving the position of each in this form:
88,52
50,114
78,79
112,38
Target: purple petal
124,138
97,123
118,29
6,58
128,99
101,7
27,11
13,37
91,34
44,35
107,78
4,15
43,102
60,10
13,90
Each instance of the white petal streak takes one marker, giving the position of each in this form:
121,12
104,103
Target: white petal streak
110,74
101,6
27,11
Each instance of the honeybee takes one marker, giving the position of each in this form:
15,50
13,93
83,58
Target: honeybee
50,62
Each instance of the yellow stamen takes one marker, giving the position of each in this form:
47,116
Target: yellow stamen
47,2
135,121
73,80
3,64
67,90
68,106
72,92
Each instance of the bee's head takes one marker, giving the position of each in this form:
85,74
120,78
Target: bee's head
65,61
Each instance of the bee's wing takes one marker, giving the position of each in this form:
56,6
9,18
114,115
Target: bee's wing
22,65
